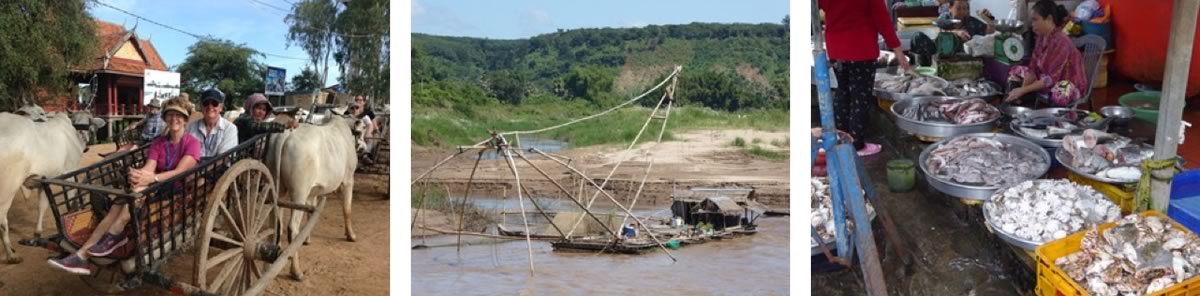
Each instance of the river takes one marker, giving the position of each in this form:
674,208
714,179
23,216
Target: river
749,265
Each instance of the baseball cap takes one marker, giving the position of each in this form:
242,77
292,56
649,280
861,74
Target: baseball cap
212,94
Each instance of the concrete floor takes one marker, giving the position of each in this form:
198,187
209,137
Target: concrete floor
954,253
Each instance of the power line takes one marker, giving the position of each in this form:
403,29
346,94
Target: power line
271,6
194,35
197,36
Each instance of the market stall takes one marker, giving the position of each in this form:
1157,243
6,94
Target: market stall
1081,196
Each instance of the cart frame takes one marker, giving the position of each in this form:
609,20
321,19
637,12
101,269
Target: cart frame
169,216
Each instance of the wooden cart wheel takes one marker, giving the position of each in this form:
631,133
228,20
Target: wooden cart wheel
240,235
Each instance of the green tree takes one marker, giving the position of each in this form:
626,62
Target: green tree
311,26
713,89
307,80
362,47
508,86
230,67
588,83
39,42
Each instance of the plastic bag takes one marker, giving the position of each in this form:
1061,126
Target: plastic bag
981,46
1087,10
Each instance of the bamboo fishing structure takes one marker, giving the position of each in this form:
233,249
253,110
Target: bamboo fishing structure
499,142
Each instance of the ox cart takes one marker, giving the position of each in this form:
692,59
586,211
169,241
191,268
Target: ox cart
223,215
378,151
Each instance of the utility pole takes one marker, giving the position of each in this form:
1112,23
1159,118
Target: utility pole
1175,80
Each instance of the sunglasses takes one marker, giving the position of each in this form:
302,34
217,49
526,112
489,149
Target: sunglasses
210,103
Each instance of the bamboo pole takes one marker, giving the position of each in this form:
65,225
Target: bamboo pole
520,199
462,210
436,166
1175,81
661,131
623,208
543,212
618,165
568,193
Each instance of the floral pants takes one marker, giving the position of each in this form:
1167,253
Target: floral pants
1060,94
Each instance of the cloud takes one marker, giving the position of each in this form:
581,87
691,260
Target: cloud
636,24
536,21
417,8
434,18
540,16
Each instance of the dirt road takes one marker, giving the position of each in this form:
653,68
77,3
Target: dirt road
693,159
333,266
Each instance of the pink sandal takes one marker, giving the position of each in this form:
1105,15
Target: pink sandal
870,149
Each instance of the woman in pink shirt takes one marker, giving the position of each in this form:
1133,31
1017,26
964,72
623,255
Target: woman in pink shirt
169,155
1056,68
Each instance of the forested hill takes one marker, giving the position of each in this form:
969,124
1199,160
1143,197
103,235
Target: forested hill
726,66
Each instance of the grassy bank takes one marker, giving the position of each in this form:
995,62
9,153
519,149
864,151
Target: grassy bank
466,125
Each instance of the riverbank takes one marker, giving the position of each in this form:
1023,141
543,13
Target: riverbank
705,158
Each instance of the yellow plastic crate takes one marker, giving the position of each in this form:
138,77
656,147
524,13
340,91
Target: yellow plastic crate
885,104
1053,281
1122,195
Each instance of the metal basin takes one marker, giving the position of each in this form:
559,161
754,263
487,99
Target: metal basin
935,129
1010,238
1009,25
891,96
832,243
1065,158
1051,143
1119,114
971,191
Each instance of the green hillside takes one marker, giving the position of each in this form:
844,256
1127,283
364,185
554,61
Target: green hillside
464,86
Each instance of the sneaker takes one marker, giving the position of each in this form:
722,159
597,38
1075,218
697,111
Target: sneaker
72,264
107,244
870,149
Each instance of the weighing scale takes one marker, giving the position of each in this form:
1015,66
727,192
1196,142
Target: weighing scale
1010,47
948,44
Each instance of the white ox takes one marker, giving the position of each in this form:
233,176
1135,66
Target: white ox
232,115
28,150
314,160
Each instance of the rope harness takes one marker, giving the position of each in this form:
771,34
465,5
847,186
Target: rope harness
1143,199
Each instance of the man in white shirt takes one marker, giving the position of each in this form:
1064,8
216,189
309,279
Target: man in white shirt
216,134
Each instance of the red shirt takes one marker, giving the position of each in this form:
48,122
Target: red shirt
852,28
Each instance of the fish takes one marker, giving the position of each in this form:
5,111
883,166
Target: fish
911,84
982,161
822,210
953,111
1095,152
973,88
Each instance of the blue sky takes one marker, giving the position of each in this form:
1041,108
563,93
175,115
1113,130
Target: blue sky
523,19
243,21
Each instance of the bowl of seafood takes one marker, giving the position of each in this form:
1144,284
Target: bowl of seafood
1140,254
942,117
978,88
906,85
1034,212
822,216
974,166
1048,126
1104,157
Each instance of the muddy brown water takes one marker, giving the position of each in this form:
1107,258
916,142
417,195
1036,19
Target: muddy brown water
749,265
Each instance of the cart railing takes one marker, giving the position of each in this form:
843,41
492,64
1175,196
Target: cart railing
164,216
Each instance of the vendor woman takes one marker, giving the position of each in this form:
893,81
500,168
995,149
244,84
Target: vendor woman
852,30
1055,71
969,26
